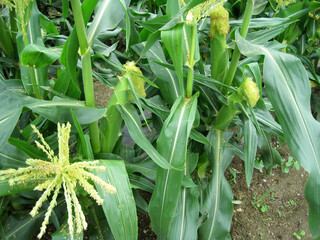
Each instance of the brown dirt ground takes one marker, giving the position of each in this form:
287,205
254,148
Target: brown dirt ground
102,94
287,208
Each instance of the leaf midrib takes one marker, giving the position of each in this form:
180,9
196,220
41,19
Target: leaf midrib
296,106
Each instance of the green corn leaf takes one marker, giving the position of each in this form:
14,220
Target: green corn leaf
65,8
288,89
132,120
110,124
48,25
63,233
197,136
262,36
172,144
12,157
266,120
39,56
26,226
141,183
62,83
250,148
166,79
269,155
185,222
99,228
35,37
290,15
147,168
28,149
186,219
173,40
6,42
172,7
84,146
153,38
6,189
119,208
57,110
69,56
108,15
218,196
259,6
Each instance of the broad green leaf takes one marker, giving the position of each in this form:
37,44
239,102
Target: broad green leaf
185,222
12,157
28,149
108,15
197,136
157,106
152,39
186,219
6,189
172,7
173,40
172,145
63,233
25,226
6,42
110,125
132,120
119,208
312,28
166,79
298,10
147,168
217,205
259,6
250,148
99,228
61,85
266,121
35,37
65,8
39,56
132,35
262,36
269,155
84,146
289,15
48,25
57,110
288,89
141,183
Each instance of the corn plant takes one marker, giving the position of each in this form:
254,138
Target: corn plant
189,84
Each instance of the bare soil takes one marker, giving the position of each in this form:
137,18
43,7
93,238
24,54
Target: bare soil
102,94
287,209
